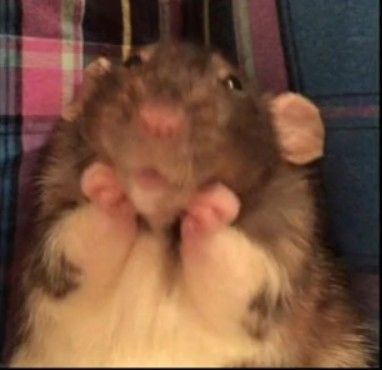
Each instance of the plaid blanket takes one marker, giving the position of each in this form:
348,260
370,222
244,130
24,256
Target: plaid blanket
327,50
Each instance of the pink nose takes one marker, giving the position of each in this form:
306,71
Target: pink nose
160,120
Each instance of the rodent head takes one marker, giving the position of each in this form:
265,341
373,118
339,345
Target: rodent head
177,116
197,116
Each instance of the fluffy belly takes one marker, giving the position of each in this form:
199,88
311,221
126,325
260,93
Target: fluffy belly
145,318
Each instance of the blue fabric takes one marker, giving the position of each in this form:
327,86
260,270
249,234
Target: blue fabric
333,58
335,46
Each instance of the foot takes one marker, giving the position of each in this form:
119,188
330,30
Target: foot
213,208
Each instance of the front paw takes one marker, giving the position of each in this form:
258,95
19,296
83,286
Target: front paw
101,186
211,209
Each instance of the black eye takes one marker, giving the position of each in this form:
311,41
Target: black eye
133,61
231,82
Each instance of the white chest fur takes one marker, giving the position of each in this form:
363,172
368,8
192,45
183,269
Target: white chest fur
142,316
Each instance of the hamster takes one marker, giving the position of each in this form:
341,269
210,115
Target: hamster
180,140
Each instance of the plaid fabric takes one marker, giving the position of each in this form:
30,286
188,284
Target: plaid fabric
327,50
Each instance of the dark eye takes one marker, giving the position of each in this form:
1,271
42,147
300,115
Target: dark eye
231,82
133,61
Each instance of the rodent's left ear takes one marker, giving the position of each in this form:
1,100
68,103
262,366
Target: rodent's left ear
299,127
92,71
98,67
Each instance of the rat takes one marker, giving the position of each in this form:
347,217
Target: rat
177,226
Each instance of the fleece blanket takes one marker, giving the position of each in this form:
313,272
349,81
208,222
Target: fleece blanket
324,49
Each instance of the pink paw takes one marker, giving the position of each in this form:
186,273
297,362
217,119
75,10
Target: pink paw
100,184
212,208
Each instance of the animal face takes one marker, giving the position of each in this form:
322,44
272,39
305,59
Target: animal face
179,116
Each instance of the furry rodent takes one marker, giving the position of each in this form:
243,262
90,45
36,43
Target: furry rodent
260,292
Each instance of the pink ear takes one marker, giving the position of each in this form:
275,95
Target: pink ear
94,70
299,127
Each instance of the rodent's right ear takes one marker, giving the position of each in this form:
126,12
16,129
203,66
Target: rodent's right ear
97,68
